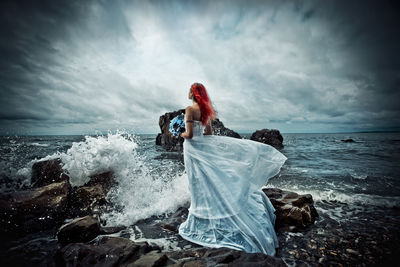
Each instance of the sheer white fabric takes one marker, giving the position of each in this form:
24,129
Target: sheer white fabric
228,207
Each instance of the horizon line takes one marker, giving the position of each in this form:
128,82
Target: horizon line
91,134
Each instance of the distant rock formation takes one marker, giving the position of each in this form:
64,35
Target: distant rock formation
219,129
166,138
348,140
270,137
173,143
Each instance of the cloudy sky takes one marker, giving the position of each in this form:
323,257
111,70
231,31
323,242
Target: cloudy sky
78,67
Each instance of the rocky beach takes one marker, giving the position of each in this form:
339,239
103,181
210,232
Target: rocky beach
35,232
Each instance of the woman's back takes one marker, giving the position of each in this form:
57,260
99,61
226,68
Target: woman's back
196,113
194,117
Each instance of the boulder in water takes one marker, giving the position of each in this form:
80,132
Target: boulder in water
173,143
106,251
34,209
293,211
270,137
81,229
47,172
90,199
218,128
221,257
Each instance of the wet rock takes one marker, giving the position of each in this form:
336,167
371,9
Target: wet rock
117,251
172,143
166,138
34,209
106,251
352,251
90,199
81,229
111,229
175,219
348,140
221,257
34,249
218,128
47,172
105,179
293,211
153,258
270,137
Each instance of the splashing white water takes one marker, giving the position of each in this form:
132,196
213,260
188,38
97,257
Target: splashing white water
140,193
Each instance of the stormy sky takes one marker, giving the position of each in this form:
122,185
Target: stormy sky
79,67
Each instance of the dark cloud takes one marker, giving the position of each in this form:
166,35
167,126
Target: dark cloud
79,66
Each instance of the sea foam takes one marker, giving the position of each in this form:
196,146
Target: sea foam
140,192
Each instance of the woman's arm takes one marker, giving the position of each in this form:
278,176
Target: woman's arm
208,129
189,124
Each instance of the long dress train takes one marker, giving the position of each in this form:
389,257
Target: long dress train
228,207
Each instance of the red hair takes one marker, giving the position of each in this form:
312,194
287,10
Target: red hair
201,97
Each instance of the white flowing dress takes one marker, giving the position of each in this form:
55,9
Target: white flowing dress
228,207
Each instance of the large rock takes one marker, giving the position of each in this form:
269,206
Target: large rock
79,230
221,257
91,198
348,140
34,209
173,143
293,211
219,129
47,172
117,251
269,137
84,229
175,219
107,251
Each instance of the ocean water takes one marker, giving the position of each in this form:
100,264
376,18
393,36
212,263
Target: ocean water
151,181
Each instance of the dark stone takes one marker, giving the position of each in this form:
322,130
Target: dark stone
90,199
47,172
175,219
166,138
111,229
105,179
117,251
270,137
222,257
81,229
293,211
106,251
218,128
173,143
348,140
34,209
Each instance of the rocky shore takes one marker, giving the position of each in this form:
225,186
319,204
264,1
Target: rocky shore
39,214
53,223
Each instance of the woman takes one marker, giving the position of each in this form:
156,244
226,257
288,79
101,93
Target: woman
228,207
